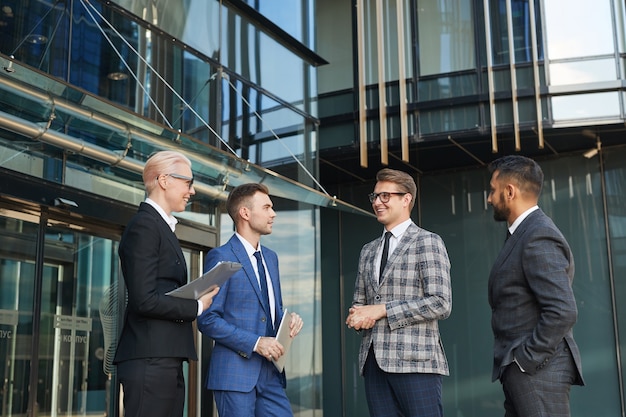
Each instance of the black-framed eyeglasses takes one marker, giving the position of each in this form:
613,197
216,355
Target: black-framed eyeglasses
181,177
384,196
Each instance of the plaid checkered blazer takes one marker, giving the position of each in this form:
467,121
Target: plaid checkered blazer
415,288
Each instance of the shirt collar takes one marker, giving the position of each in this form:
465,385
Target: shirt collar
247,245
521,218
399,229
170,220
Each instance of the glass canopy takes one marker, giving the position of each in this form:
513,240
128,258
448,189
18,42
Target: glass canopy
111,142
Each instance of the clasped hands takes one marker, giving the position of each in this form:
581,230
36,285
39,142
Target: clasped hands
365,316
270,348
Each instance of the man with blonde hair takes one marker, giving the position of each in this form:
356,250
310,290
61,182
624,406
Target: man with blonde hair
402,290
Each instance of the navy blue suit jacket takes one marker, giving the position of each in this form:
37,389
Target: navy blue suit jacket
237,318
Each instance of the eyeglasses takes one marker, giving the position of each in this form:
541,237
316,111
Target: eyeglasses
181,177
384,196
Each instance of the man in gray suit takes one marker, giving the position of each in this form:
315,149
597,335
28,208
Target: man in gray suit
402,291
531,297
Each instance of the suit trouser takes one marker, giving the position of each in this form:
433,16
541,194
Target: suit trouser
401,395
544,394
153,387
267,398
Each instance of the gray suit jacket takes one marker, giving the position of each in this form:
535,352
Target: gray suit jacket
415,287
531,297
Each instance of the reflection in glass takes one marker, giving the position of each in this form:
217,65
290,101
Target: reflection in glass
446,36
578,28
522,40
294,237
581,72
585,106
456,209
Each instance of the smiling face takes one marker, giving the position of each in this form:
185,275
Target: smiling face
396,210
177,190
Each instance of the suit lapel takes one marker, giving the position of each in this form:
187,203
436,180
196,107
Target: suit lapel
408,237
242,257
167,233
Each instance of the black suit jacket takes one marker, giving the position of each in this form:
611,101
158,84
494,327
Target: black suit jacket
155,325
531,297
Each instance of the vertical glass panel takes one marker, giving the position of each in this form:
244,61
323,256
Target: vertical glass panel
572,196
260,59
282,12
36,33
583,106
581,72
370,53
77,337
456,209
334,38
615,177
522,40
195,22
445,36
566,21
263,131
199,92
295,238
17,280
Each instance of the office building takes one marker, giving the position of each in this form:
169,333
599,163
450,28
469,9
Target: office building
311,98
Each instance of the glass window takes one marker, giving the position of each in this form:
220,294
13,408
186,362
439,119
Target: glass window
615,177
578,28
282,12
456,209
74,322
522,41
261,60
585,106
445,36
581,72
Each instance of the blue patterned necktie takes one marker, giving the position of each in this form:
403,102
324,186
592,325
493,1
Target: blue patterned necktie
269,331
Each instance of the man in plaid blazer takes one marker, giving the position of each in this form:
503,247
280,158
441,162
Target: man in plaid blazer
397,304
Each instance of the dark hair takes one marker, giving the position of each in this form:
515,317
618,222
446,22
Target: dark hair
241,196
404,181
525,172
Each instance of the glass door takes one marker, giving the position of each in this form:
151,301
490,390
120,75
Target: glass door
58,310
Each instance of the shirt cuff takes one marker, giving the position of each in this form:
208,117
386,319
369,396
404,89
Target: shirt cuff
200,307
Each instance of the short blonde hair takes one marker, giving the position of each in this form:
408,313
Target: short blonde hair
404,181
162,162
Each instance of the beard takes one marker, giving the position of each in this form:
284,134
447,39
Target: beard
500,211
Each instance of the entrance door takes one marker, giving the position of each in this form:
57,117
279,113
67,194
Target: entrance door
58,317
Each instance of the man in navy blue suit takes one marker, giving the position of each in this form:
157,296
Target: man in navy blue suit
532,302
244,317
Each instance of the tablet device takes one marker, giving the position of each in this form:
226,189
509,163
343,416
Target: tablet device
216,277
282,335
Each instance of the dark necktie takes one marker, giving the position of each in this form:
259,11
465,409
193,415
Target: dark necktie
383,259
508,235
265,293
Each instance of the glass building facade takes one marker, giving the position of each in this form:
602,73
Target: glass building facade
310,98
